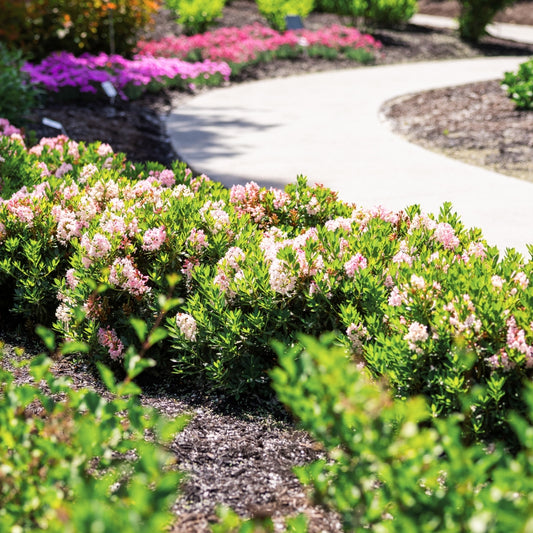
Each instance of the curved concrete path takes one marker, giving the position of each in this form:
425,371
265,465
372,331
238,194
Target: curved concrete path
326,126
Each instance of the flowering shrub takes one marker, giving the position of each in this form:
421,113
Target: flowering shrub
519,85
63,71
196,15
389,465
241,46
418,298
76,26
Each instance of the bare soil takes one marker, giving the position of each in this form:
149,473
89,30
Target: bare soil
242,453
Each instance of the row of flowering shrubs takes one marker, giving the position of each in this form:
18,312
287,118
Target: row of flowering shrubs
68,75
242,46
418,299
182,62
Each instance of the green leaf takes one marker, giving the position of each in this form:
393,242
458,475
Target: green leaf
47,336
158,334
107,376
140,327
135,364
74,347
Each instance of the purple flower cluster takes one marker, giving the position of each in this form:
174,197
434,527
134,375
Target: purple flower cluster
240,45
87,72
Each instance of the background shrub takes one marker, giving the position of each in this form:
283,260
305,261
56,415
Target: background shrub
76,25
376,12
390,12
275,11
17,95
476,15
520,85
196,16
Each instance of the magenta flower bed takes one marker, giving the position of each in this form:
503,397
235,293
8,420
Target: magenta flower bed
130,77
240,45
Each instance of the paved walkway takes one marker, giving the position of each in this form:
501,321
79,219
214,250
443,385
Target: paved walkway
327,126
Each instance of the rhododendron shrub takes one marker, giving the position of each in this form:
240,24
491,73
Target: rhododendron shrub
416,298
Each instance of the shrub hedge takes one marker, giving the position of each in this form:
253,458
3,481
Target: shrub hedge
419,299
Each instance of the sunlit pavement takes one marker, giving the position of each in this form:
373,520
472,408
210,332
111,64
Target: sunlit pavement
327,127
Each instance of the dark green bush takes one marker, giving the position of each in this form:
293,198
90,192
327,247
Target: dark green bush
375,12
476,15
275,11
390,12
196,16
519,85
17,95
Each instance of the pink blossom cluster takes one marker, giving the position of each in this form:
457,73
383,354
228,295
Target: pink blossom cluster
246,44
95,247
249,199
356,263
214,214
197,239
7,129
515,342
229,269
417,333
125,275
88,72
154,238
109,339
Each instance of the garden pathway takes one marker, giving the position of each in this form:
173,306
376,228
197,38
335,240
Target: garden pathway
327,126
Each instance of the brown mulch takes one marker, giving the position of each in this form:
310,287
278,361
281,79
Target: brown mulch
475,123
242,455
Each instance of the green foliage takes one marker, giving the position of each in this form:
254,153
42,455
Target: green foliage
390,466
17,95
71,462
519,85
275,11
390,12
376,12
476,15
229,521
76,26
196,16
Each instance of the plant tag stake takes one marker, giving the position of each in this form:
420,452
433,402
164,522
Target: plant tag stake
110,90
294,22
54,124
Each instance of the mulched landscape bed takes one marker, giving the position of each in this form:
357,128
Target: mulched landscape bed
242,453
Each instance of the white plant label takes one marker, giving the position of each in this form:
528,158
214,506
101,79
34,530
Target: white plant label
53,124
108,88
